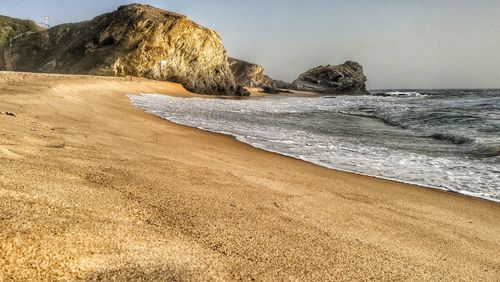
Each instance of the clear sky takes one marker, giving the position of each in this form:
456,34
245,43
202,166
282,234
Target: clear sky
400,43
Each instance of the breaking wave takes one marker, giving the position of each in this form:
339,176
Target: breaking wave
399,94
455,139
444,141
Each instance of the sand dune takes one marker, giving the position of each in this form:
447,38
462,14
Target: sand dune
92,188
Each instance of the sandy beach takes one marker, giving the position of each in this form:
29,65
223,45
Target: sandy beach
92,188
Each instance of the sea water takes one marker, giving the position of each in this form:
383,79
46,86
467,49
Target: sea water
447,139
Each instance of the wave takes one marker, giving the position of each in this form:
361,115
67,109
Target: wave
310,129
399,94
383,119
453,138
475,148
486,151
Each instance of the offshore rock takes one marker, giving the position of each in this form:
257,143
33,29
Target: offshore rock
135,40
347,78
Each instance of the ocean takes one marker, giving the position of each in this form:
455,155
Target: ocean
444,139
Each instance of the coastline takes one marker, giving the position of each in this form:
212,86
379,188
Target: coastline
150,108
418,185
169,200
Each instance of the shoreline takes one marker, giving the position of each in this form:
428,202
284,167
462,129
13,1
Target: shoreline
93,188
416,185
260,96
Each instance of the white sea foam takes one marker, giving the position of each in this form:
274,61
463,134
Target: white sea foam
403,93
312,130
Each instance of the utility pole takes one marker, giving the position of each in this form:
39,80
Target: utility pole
10,50
46,21
12,39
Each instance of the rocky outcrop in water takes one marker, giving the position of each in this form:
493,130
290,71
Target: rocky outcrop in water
347,78
136,40
252,75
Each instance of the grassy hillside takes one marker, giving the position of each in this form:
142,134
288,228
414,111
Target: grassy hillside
11,27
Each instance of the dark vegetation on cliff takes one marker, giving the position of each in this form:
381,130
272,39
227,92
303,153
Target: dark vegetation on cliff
10,28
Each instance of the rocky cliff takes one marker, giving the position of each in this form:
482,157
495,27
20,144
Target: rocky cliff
252,75
136,40
347,78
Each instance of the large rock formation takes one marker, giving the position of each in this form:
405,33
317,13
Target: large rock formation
136,40
347,78
252,75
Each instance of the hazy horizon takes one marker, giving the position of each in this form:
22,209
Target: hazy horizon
415,44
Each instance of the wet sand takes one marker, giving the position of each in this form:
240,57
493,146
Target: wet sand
92,188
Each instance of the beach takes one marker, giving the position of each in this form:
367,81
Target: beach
93,188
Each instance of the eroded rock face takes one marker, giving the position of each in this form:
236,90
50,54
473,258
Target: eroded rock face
136,40
247,74
252,75
347,78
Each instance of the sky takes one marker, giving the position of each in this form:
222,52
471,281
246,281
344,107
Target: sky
400,43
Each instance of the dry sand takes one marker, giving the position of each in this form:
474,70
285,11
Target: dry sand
92,188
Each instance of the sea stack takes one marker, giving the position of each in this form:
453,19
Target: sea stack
135,40
347,78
